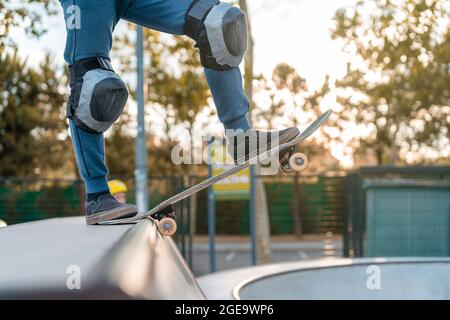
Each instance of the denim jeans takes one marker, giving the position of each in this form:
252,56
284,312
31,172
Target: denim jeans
98,19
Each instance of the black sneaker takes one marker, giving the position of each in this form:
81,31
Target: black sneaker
251,143
106,207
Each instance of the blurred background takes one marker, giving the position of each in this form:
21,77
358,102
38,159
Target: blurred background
378,182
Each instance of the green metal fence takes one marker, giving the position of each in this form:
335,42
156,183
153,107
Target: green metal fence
319,206
23,200
308,214
314,201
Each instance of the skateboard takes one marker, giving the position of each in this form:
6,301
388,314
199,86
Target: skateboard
164,214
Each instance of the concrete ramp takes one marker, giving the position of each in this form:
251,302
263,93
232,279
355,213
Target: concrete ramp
363,278
65,259
396,280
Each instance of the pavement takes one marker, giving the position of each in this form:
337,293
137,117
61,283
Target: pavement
231,254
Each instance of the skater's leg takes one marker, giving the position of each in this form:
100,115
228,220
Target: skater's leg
90,156
167,16
89,39
229,97
226,86
89,26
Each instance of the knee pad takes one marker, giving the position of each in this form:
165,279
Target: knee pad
220,32
98,95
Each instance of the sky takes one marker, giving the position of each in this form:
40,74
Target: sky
291,31
313,53
311,50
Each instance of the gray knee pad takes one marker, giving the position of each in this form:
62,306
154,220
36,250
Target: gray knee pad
220,32
98,95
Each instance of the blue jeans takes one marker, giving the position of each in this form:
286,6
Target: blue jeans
94,38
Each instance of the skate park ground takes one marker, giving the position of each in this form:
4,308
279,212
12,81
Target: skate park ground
65,259
235,251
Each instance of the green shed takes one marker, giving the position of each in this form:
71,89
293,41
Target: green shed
407,218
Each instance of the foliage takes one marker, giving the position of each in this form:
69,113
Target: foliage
33,131
27,16
288,87
397,89
176,91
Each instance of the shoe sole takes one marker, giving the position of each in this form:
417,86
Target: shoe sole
109,215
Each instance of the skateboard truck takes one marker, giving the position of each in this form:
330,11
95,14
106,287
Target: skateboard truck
291,161
166,223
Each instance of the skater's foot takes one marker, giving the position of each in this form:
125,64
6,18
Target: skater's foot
245,145
106,207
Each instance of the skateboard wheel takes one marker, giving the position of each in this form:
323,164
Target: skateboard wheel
298,162
167,226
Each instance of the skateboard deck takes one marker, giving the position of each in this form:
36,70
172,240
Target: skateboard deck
206,183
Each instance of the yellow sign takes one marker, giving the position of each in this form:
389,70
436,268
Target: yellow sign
235,187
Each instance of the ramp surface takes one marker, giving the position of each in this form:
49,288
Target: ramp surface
395,278
49,258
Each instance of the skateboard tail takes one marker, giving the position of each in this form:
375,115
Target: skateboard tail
316,124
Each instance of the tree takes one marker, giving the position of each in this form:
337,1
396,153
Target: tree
267,117
286,78
306,104
263,254
27,15
397,87
33,131
120,146
176,89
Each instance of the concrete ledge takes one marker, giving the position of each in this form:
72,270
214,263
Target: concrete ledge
38,259
145,265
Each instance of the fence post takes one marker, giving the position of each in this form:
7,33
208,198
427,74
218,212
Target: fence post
211,222
190,231
180,188
141,152
252,218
